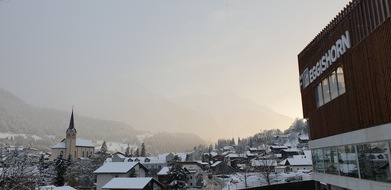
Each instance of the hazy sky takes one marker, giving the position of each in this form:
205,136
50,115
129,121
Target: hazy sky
61,53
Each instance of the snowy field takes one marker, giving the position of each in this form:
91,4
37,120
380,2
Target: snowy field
237,181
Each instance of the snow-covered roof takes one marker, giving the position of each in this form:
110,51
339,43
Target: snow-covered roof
231,155
164,171
298,160
215,164
79,143
291,150
116,167
51,187
84,143
278,147
304,137
147,160
127,183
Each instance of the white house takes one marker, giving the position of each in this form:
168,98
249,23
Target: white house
298,162
111,170
144,183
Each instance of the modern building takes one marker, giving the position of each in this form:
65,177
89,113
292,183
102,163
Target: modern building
345,81
76,148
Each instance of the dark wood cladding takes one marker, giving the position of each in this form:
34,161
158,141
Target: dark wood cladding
367,71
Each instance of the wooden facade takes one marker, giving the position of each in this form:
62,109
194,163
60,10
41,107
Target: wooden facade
367,71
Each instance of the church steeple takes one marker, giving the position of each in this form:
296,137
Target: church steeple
70,140
71,127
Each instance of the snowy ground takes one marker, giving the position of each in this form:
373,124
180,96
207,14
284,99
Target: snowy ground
237,181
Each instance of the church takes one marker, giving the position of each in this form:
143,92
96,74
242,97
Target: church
77,148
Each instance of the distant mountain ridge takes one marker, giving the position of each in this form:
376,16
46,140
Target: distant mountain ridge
18,117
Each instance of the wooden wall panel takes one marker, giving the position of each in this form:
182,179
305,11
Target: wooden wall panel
367,72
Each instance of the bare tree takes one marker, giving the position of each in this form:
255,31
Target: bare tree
265,166
18,171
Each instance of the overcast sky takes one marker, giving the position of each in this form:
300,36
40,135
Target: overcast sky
61,53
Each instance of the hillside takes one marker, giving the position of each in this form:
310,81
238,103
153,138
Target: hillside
49,125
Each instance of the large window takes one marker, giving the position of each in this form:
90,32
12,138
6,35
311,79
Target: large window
330,87
365,161
373,161
347,161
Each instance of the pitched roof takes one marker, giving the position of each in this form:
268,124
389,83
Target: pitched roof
79,143
116,167
164,171
128,183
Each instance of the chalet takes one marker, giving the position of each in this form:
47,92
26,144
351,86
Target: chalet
298,162
258,151
221,167
288,153
277,149
112,170
125,183
195,173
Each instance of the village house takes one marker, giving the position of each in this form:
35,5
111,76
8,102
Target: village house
145,183
111,170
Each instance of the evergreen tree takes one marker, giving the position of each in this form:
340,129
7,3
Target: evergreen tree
127,151
137,153
103,149
177,175
61,168
143,151
80,173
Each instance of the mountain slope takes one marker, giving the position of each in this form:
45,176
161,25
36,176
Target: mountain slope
19,117
236,116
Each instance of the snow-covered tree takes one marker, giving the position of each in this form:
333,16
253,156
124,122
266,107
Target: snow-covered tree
137,153
103,148
80,173
61,165
18,171
177,175
143,151
127,151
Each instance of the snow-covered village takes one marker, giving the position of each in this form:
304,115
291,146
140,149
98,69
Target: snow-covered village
187,95
269,157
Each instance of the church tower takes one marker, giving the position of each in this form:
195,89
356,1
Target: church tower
70,140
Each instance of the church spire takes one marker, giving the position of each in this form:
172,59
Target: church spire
71,124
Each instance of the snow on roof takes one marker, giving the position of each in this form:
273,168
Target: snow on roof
278,147
215,164
79,142
127,183
84,143
299,160
116,167
232,155
147,160
51,187
164,171
304,137
291,150
59,145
